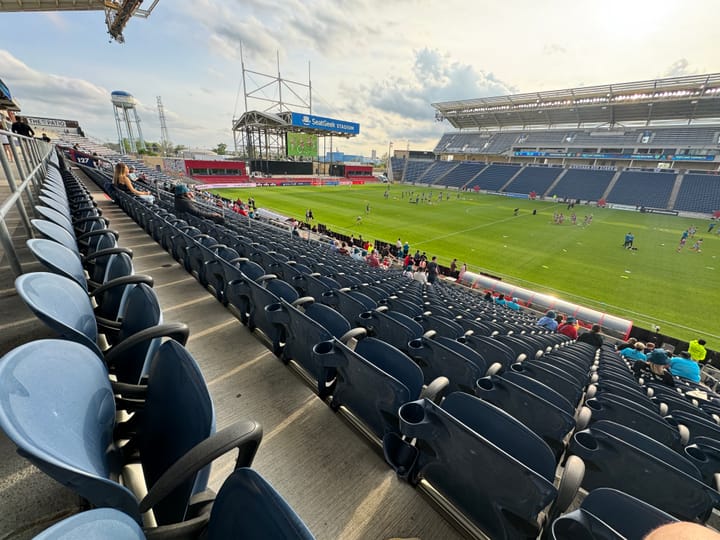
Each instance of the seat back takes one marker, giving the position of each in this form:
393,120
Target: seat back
141,311
372,381
545,419
57,406
621,458
265,514
611,514
58,259
178,414
443,357
493,469
61,304
303,328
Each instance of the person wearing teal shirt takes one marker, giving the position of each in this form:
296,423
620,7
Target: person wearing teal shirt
685,368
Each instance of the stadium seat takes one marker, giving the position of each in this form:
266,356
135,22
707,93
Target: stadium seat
621,458
110,295
611,515
305,323
391,327
250,296
497,474
172,440
533,404
65,307
440,356
373,379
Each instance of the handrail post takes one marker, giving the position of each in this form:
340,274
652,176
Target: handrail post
9,248
13,187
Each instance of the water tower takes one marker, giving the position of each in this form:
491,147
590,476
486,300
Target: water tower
127,121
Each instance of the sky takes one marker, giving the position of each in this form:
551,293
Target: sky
378,63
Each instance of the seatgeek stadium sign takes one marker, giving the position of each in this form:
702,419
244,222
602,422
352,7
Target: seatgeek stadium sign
325,124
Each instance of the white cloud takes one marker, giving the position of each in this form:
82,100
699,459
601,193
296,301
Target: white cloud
52,95
679,68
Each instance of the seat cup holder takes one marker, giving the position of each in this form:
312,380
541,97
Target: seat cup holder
412,413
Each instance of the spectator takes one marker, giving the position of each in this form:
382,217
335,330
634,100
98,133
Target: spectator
184,203
513,304
500,300
548,321
420,275
432,270
592,337
697,350
684,367
453,268
635,352
629,343
658,362
373,260
569,328
21,128
122,182
45,137
463,269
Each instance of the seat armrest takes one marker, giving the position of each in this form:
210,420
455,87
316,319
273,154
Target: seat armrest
97,232
123,280
435,389
177,331
105,252
245,436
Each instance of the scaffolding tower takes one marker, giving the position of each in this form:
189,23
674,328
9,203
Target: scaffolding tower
164,136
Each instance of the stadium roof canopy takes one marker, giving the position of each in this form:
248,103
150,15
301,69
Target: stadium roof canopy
661,101
280,122
117,12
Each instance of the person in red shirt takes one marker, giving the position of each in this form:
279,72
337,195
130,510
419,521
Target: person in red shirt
569,328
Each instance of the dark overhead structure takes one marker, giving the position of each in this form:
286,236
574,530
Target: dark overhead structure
691,99
117,12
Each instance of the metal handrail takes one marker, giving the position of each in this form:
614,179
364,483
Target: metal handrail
30,158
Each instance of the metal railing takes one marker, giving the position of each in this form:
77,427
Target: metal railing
24,163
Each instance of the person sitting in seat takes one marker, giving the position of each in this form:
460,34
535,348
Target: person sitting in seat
184,203
684,367
122,182
635,352
592,337
548,321
657,363
569,328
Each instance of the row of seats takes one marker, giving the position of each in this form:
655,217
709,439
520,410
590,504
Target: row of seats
696,193
117,409
469,400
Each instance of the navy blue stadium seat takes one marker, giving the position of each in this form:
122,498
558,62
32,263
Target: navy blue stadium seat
372,381
621,458
65,307
611,515
497,473
173,438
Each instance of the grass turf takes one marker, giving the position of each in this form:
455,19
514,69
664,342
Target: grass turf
584,264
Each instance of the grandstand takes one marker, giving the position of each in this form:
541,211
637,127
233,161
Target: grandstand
630,144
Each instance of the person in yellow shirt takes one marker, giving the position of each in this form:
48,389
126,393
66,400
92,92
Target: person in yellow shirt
697,350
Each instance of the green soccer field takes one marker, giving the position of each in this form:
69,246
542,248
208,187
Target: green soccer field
655,284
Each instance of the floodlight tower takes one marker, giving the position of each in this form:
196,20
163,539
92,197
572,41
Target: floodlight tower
164,136
125,117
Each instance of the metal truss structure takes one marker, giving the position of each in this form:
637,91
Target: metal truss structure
117,12
259,133
690,99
